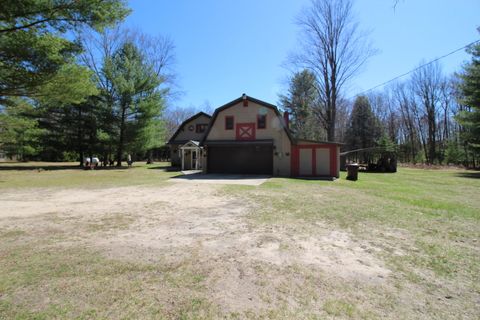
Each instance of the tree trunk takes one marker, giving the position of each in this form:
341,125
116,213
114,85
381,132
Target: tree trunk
412,143
90,148
331,122
331,132
445,124
121,138
333,101
150,157
431,136
80,137
465,160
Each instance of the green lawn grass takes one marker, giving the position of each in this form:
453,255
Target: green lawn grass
70,175
431,216
426,224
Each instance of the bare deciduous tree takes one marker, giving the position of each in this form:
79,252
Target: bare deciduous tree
383,108
157,50
344,108
404,103
334,49
174,116
447,91
427,83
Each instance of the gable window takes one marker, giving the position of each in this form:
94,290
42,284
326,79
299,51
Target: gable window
201,127
261,121
229,123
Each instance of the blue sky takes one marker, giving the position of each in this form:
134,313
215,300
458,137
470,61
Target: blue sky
227,47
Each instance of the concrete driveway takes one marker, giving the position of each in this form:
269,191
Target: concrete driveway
216,178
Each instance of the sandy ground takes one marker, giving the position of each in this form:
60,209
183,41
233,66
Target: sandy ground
185,220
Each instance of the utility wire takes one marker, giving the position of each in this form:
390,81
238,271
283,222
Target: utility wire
413,70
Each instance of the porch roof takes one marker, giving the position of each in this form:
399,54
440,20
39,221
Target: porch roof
192,144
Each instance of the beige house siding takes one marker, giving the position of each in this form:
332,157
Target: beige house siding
273,131
185,134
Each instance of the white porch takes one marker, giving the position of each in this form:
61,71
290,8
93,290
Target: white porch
191,155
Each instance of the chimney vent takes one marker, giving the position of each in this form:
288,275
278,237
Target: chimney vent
286,119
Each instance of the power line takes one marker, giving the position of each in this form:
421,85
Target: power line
415,69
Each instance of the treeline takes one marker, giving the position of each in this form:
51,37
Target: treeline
428,118
75,84
421,116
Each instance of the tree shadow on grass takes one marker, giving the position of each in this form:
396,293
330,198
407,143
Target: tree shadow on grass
54,168
27,167
165,168
469,174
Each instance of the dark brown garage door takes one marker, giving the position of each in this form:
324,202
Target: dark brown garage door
244,159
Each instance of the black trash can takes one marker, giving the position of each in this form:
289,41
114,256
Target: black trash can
352,171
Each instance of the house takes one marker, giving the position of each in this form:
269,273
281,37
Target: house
185,150
250,136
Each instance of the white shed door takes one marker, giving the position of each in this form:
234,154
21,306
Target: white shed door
305,162
322,162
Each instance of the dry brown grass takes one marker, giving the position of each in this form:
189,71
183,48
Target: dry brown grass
396,246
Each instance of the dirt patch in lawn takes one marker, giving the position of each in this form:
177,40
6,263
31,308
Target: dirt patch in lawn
246,266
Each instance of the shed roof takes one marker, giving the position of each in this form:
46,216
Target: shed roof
300,141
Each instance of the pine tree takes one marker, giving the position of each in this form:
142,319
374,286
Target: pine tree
66,111
19,133
138,99
364,129
470,90
300,102
35,42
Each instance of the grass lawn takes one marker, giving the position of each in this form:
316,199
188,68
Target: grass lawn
70,175
388,246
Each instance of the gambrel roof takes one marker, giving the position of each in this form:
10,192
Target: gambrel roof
180,127
236,101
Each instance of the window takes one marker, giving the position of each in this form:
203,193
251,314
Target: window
229,123
261,121
201,127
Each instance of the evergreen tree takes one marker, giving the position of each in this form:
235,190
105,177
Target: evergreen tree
364,129
19,133
299,102
453,154
138,99
72,129
33,39
470,97
65,108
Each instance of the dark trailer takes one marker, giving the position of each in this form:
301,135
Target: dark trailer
376,159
